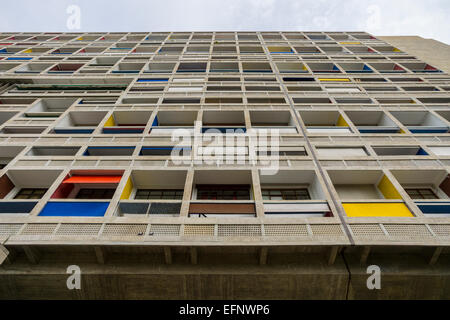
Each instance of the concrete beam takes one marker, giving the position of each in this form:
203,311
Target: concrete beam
194,255
168,255
100,254
33,254
364,255
434,258
263,256
333,254
4,253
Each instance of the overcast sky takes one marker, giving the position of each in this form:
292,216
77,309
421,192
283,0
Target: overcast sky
427,18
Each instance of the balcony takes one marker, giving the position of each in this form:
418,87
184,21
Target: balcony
325,122
79,122
372,122
127,122
355,67
49,108
167,122
7,154
155,193
368,193
222,193
291,67
83,193
421,121
20,190
429,189
294,193
273,120
214,122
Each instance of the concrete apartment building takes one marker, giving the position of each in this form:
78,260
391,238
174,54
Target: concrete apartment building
87,177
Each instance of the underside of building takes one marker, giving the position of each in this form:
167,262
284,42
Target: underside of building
106,165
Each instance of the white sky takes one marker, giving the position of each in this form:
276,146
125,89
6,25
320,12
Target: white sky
426,18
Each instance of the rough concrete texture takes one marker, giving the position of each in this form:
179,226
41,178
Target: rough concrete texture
433,52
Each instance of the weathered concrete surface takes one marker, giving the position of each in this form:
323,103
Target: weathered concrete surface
300,281
428,50
293,277
403,276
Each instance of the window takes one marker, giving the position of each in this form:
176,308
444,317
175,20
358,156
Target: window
147,194
95,194
2,166
28,193
422,193
223,192
285,194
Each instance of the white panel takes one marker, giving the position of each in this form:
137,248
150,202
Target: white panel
188,79
329,130
441,151
168,131
340,152
342,89
185,89
296,207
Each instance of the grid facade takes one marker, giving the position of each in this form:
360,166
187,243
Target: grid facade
86,125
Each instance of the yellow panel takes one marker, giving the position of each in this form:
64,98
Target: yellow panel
377,210
127,190
387,189
28,51
110,122
402,131
80,38
397,50
341,122
335,79
350,42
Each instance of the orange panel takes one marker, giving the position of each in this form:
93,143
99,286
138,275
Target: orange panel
93,179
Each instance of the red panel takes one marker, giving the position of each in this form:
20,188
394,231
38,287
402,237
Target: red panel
445,186
6,186
63,191
93,179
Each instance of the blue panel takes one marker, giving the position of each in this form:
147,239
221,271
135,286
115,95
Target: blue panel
61,72
125,71
3,51
16,207
298,79
422,152
428,130
87,153
436,209
155,122
153,80
115,130
225,130
18,58
68,131
74,209
361,130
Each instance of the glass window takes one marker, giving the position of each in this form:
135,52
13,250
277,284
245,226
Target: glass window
95,194
29,193
422,193
285,194
148,194
223,192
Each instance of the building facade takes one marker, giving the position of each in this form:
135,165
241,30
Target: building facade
223,165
